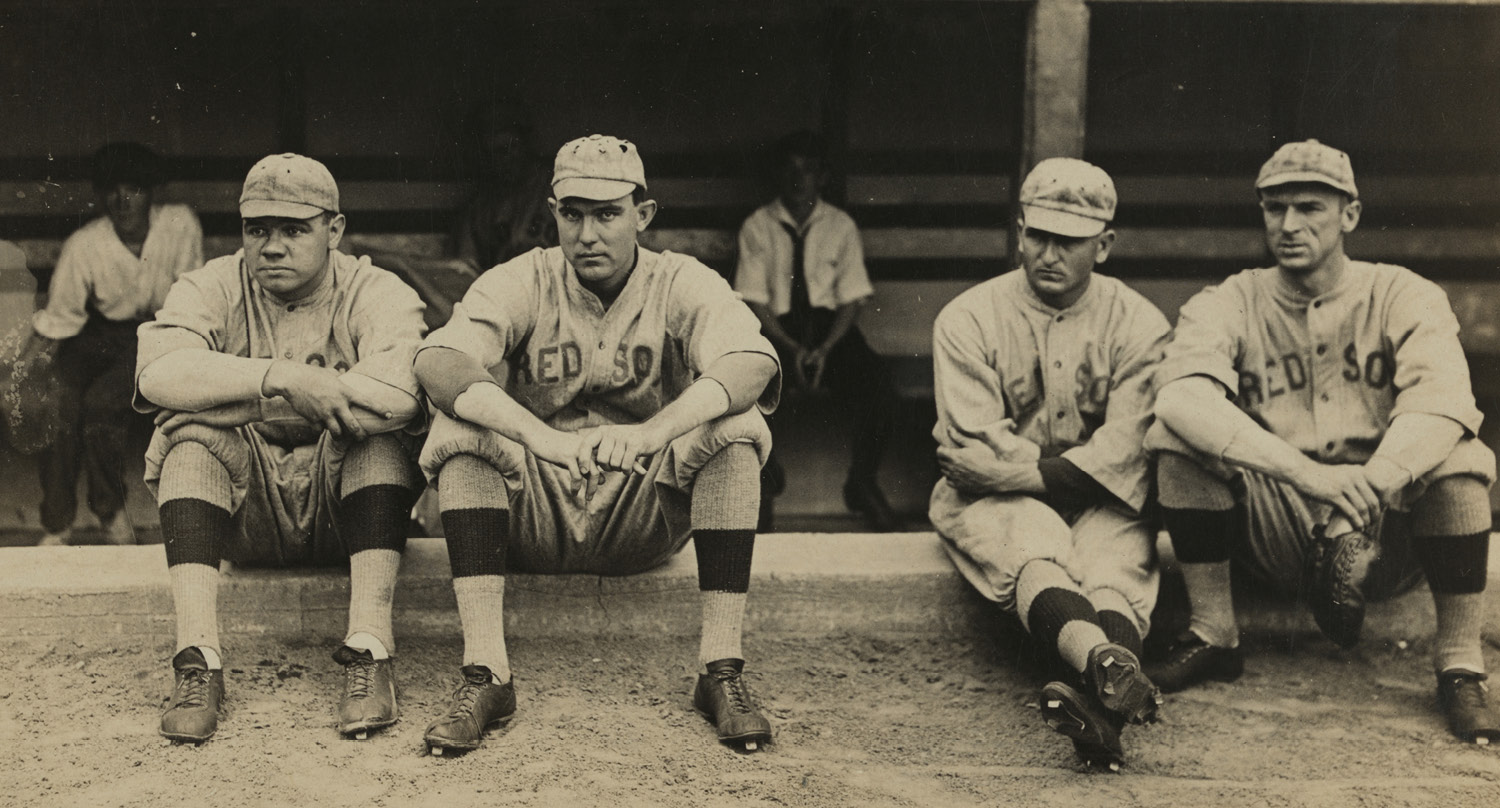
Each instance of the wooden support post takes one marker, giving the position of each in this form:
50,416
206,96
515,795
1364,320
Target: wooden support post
1057,53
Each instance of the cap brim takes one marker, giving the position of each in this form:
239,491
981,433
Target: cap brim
592,189
1303,176
256,208
1061,222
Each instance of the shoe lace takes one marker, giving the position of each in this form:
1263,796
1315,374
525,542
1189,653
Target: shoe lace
359,678
737,692
464,699
192,689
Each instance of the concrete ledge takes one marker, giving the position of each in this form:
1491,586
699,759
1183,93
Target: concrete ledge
804,584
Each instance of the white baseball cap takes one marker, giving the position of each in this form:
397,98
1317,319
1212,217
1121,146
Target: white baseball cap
598,168
1068,197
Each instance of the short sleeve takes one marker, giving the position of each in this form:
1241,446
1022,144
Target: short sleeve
853,281
710,321
496,313
387,325
193,316
1208,339
1432,374
752,275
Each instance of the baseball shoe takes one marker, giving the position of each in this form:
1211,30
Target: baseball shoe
1334,574
864,497
1191,661
477,705
1094,731
1464,699
61,538
192,713
1114,675
724,699
369,700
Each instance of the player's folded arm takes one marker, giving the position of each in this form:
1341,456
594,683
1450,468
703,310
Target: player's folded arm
192,379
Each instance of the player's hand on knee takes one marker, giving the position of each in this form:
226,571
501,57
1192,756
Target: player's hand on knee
566,450
320,396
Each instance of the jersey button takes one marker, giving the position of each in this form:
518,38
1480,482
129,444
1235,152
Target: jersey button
1324,397
288,354
291,308
1322,349
1317,304
1061,414
1059,318
1328,446
1057,364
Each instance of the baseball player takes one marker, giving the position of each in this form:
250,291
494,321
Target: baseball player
1316,424
598,406
112,275
802,271
282,375
1043,383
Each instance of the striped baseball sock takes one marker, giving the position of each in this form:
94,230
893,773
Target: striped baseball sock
476,521
1055,612
373,520
1115,618
1457,571
1202,539
194,492
725,510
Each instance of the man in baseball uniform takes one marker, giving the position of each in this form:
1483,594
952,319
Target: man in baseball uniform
598,406
802,271
283,378
1316,424
1043,383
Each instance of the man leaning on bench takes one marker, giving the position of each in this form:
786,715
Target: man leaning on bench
595,404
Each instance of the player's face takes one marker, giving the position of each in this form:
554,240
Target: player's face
129,208
289,257
1306,224
1059,267
598,238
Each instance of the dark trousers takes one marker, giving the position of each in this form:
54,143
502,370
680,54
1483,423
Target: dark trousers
858,381
96,369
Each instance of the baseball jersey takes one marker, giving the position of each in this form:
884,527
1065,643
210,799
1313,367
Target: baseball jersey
1075,381
97,272
362,319
833,258
558,351
1327,373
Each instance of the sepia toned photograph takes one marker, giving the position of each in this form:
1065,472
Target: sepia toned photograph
909,403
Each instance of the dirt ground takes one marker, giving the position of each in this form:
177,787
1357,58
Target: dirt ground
859,721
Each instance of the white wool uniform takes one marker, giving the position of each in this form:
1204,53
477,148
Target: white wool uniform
1078,383
554,347
1327,374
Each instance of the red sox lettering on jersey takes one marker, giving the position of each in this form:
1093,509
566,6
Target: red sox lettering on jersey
1328,373
1076,382
574,363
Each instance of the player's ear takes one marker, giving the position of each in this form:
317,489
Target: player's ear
644,213
1349,216
552,205
335,230
1103,243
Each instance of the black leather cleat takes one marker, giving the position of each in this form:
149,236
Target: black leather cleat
724,699
1464,698
1190,661
864,497
1334,576
192,714
1114,674
1095,733
477,705
369,700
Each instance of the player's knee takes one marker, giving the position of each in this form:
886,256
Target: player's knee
1457,505
192,470
1010,531
378,460
1184,483
470,482
226,446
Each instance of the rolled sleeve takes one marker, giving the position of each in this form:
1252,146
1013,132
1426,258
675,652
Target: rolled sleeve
192,317
711,322
494,316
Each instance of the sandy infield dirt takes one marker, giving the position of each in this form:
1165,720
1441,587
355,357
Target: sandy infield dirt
859,721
